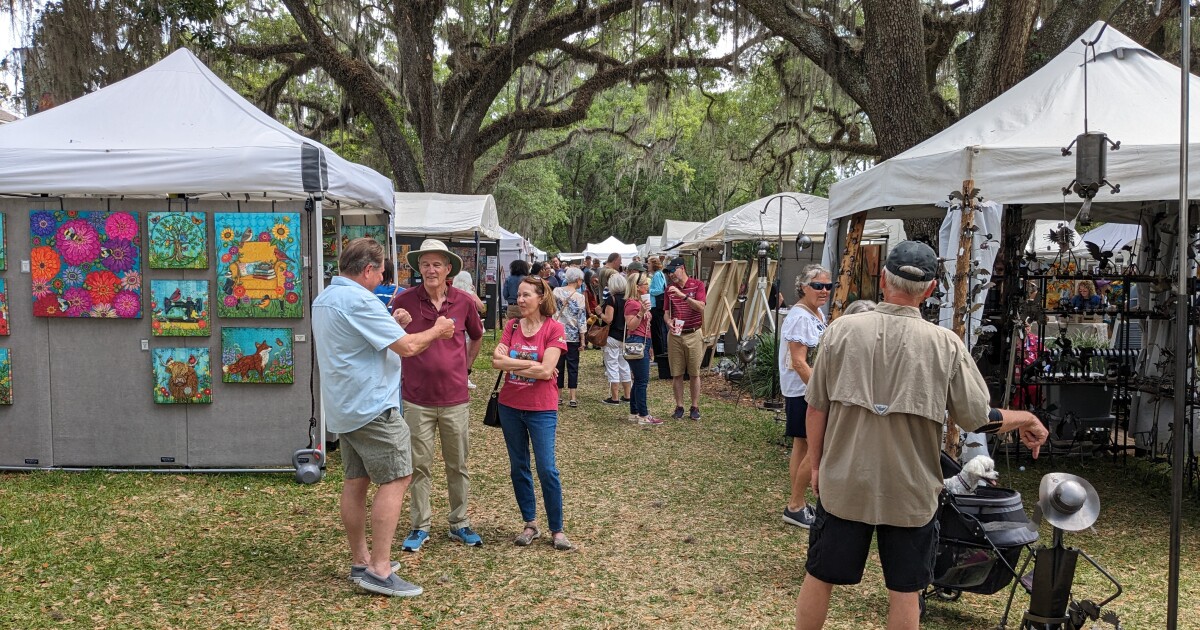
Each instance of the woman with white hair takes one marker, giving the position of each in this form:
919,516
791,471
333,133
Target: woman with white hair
616,368
572,314
802,330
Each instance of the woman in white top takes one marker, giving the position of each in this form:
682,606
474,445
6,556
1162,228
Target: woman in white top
801,330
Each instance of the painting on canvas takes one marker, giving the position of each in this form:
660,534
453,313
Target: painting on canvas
178,240
182,375
3,242
6,396
180,308
377,232
3,307
256,355
258,267
85,264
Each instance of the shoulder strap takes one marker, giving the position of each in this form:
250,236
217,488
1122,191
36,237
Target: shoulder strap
500,375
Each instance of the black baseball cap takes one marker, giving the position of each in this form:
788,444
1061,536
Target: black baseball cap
673,265
914,261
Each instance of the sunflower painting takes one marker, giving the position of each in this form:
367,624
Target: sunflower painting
258,273
85,264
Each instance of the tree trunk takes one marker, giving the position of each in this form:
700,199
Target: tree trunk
899,105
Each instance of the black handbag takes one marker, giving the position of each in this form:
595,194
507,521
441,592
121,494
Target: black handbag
491,417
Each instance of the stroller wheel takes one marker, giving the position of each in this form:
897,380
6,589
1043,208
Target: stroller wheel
947,594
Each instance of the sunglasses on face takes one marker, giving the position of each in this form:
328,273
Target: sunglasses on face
821,286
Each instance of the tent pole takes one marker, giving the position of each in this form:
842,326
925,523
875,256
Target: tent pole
317,270
1182,423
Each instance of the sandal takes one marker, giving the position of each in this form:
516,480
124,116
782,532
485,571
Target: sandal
573,404
561,542
526,537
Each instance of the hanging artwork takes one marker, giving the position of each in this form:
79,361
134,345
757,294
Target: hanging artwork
85,264
257,268
178,240
182,375
468,257
3,241
256,355
329,245
377,232
180,308
404,273
3,307
6,396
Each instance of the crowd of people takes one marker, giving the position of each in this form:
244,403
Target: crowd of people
865,419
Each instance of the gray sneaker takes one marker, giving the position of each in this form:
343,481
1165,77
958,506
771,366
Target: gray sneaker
803,517
392,585
357,571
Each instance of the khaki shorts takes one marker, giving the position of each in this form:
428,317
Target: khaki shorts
685,352
379,449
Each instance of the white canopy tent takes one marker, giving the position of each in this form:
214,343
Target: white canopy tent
447,216
674,231
513,246
1011,147
175,128
652,245
1110,236
610,245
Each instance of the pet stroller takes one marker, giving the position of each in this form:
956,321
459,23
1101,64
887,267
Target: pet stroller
980,541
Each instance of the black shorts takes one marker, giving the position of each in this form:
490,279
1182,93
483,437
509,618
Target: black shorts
837,552
795,408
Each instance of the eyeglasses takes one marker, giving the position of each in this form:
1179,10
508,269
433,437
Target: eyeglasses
822,286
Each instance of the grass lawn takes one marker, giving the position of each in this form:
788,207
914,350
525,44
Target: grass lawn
679,527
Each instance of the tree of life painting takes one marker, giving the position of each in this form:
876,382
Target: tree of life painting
178,240
257,267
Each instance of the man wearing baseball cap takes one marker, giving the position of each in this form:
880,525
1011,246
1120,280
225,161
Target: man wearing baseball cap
877,401
685,345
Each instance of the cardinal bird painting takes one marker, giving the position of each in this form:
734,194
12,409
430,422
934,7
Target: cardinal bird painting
257,264
181,308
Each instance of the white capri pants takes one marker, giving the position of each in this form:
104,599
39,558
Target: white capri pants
616,368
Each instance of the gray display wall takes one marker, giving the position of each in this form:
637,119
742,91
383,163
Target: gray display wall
83,388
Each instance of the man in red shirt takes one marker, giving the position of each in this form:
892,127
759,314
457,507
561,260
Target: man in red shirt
435,394
685,344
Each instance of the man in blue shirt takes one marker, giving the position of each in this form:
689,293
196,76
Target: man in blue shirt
358,353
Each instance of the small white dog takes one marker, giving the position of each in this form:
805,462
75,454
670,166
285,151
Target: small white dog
980,468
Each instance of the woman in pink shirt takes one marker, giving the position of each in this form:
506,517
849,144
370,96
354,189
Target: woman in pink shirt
528,351
637,327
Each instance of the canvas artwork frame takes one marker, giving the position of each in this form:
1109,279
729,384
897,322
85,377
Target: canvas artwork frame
6,391
377,232
257,355
85,263
3,307
329,245
178,240
182,376
258,268
180,308
3,241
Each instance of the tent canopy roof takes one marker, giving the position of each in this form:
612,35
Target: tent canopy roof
610,245
1011,147
175,128
448,216
760,219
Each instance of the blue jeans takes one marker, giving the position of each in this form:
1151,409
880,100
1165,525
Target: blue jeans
537,427
640,369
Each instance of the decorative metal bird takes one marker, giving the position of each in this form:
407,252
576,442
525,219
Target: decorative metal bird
1099,254
1063,236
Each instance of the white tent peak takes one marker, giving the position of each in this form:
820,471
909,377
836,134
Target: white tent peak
1011,147
610,245
175,127
760,219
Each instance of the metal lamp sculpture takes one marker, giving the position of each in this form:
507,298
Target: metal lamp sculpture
1069,503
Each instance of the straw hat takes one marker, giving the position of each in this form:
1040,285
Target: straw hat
1068,501
434,245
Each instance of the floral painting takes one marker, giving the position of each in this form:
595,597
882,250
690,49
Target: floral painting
256,355
3,242
3,307
182,375
257,268
179,308
178,240
5,377
377,232
85,264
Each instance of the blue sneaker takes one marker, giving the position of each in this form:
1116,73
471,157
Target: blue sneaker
416,538
466,536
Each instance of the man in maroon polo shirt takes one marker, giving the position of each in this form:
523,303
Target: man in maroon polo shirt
685,343
436,398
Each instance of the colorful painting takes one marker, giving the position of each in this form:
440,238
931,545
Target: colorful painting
258,268
3,307
377,232
85,264
329,245
3,241
180,308
182,375
467,254
404,273
5,377
256,355
178,240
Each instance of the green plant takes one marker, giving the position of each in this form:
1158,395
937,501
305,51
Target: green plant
760,373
